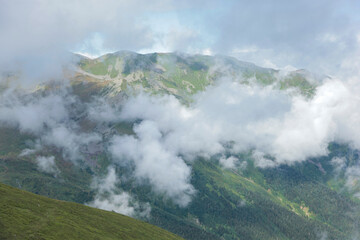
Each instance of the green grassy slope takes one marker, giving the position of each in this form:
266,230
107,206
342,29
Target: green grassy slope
24,215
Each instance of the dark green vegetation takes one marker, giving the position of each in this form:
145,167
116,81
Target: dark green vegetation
302,201
281,203
24,215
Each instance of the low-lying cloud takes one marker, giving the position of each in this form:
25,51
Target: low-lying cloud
226,119
51,118
352,175
111,198
33,114
288,128
167,172
230,117
230,162
47,164
70,141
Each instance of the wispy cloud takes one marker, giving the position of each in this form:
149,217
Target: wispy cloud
111,198
47,164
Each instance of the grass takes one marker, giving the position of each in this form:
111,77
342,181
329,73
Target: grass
24,215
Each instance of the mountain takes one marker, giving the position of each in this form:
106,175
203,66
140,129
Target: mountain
24,215
180,74
66,154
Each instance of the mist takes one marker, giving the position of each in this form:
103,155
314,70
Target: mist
277,127
227,119
47,164
111,198
289,128
49,117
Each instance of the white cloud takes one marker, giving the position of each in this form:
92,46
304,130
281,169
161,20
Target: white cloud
35,114
322,235
225,113
279,129
357,195
312,124
47,164
110,198
117,202
229,162
338,163
51,119
247,117
69,140
101,110
170,132
353,178
27,151
166,172
328,37
248,49
262,161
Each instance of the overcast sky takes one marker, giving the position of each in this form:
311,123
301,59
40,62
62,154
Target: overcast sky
321,35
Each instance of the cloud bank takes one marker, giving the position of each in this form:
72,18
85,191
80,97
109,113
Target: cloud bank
231,117
226,119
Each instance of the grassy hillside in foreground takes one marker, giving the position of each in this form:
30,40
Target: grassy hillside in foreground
24,215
